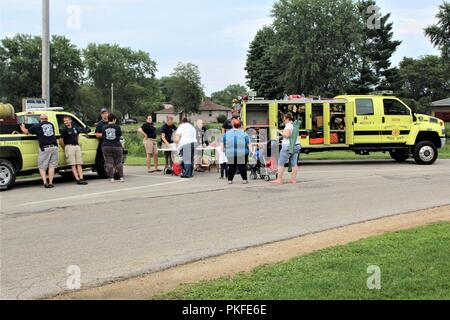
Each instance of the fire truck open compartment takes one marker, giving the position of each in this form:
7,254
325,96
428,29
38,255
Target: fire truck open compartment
317,136
337,124
258,115
298,111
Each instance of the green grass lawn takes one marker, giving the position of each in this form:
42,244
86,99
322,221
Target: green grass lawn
415,264
141,161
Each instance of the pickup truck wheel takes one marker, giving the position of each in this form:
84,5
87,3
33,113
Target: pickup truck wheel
399,155
425,153
7,175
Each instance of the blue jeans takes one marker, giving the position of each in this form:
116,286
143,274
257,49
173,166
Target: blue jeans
287,157
187,153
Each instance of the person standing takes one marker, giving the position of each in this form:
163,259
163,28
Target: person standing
148,130
228,125
236,145
288,154
104,113
112,148
223,162
186,138
200,131
70,142
167,131
48,148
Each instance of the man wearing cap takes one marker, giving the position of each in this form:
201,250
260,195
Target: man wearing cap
99,132
48,148
103,122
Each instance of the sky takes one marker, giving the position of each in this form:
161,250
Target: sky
214,34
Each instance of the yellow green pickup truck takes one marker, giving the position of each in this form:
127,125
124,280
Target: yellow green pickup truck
19,152
358,123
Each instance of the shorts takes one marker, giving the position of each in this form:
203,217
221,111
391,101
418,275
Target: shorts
48,158
150,146
286,157
74,155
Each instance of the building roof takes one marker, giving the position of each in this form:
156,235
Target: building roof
211,106
441,103
204,106
168,109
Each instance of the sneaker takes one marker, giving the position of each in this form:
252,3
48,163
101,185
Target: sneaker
80,182
122,180
113,180
50,186
84,182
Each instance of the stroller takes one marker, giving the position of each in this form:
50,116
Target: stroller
177,167
262,168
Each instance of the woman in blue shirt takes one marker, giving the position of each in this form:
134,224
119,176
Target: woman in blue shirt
236,145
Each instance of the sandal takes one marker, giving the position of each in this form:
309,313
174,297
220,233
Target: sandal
292,181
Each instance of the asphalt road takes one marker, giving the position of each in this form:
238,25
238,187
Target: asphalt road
149,223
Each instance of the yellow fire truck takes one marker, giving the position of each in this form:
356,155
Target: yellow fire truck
363,124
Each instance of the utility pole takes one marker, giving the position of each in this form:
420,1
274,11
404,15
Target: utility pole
112,98
46,51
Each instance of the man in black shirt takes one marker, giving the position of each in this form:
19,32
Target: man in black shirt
69,141
148,130
99,133
103,122
112,148
167,131
227,126
48,148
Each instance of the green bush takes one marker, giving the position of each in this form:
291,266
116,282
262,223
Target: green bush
221,119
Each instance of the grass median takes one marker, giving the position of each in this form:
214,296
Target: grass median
414,264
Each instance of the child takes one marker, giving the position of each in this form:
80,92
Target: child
223,161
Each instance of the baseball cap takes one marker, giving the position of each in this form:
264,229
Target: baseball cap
102,110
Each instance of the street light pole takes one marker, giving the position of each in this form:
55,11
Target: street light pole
112,98
46,51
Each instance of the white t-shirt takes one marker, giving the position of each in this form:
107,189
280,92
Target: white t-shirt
187,133
286,141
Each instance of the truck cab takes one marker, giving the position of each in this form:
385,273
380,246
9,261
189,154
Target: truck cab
362,124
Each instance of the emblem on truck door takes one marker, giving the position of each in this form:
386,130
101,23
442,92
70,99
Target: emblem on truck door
395,132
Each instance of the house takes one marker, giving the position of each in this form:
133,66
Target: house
441,109
208,112
169,110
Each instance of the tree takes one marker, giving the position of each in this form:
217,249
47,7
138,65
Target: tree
132,73
226,96
87,103
20,61
424,80
262,75
374,57
185,88
66,71
316,45
166,88
439,33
